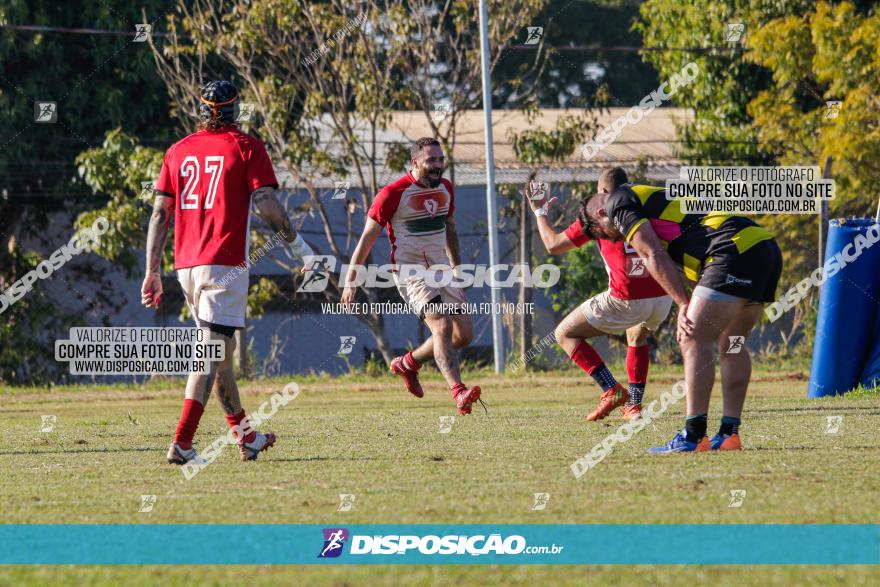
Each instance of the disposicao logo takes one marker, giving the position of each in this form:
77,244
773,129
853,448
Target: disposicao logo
334,540
453,544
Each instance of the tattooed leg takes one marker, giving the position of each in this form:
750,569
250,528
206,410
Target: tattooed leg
199,385
227,388
445,355
462,335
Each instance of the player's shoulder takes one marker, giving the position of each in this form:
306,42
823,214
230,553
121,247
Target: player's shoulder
244,139
201,138
640,193
183,143
248,146
623,191
622,196
576,226
447,184
575,233
226,135
612,247
397,187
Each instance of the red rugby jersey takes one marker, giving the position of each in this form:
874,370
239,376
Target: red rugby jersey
628,277
211,176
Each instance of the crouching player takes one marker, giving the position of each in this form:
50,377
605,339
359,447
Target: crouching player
634,303
417,210
207,183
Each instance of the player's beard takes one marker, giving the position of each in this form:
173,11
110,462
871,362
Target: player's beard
430,179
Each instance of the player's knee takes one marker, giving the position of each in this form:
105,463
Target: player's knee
691,344
442,327
704,334
637,336
561,332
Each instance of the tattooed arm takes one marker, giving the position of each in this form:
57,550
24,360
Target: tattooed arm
269,210
160,220
453,248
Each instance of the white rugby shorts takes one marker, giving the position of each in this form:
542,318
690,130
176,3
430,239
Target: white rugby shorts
613,315
216,293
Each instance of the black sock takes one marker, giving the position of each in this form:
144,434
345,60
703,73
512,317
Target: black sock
729,425
695,427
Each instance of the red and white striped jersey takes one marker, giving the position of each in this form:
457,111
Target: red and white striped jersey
415,217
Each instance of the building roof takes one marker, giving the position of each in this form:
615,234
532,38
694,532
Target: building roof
653,139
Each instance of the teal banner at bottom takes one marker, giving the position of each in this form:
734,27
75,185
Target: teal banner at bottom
512,544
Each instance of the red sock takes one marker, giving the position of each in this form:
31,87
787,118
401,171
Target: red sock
586,357
637,360
235,420
455,390
189,422
410,363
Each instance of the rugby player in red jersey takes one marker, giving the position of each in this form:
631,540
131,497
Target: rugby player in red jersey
207,183
417,210
634,303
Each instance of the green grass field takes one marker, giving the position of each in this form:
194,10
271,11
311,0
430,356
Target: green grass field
367,437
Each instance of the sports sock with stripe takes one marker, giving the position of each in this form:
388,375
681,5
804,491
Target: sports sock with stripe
586,357
695,427
729,425
636,392
236,420
189,423
409,362
637,360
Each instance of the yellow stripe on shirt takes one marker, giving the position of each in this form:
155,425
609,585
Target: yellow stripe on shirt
692,267
632,230
749,237
672,212
644,191
714,220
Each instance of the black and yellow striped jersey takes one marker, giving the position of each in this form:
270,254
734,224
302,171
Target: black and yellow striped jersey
692,240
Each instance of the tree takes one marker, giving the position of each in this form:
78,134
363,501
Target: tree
538,148
763,102
583,60
441,63
94,81
825,55
675,33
